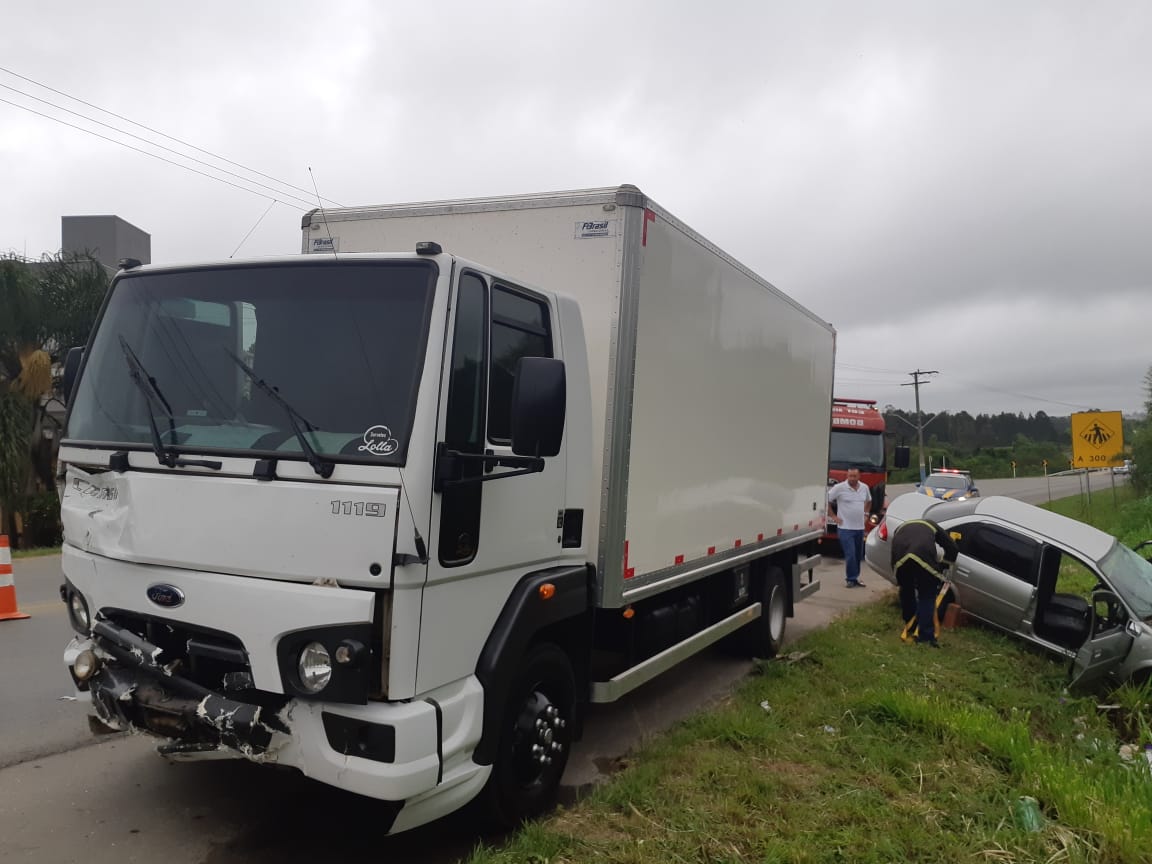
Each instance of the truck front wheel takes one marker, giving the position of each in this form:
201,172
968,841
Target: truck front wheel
764,637
535,738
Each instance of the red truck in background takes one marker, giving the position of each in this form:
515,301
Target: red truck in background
857,441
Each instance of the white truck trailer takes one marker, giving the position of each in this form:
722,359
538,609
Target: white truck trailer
393,512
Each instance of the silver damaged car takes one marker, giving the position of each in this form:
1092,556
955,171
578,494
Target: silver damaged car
1051,580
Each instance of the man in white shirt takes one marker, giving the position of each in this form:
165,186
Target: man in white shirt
853,500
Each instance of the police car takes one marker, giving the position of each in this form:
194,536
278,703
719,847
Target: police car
949,484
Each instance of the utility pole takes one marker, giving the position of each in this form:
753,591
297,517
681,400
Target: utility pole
920,424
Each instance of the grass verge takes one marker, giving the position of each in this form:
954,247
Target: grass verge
36,552
868,750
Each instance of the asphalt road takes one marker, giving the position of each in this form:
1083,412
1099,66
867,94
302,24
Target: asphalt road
65,796
1037,490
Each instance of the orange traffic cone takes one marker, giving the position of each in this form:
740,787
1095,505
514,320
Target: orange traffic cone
8,610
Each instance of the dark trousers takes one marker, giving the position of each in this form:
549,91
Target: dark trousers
918,590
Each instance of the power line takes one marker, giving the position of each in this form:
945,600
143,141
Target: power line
253,228
155,132
868,369
1025,396
147,153
160,146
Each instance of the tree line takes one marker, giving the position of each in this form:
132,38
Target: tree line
989,445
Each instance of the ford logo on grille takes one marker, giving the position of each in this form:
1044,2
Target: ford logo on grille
168,596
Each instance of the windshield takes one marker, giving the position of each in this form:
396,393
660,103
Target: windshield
864,450
1130,576
342,343
947,481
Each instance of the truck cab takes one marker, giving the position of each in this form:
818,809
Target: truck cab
857,441
251,451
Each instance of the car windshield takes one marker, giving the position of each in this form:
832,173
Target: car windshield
1131,577
860,449
947,481
341,342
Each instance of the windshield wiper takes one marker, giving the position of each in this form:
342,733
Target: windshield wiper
148,386
321,466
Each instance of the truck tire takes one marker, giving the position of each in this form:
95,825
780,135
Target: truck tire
535,739
764,637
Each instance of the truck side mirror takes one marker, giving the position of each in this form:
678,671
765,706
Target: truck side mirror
71,368
902,457
538,401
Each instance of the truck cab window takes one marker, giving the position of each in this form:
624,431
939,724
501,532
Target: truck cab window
464,427
520,328
464,422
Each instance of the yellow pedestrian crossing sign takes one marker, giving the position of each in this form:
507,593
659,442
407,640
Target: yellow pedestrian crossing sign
1097,439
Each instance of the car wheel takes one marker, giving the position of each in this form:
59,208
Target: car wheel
535,739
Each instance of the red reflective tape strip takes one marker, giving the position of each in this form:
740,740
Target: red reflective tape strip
679,559
795,527
629,572
738,542
711,550
759,538
649,216
779,531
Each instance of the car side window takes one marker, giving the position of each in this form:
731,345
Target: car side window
1075,577
1005,550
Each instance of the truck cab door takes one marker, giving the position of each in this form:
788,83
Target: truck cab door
1108,643
488,531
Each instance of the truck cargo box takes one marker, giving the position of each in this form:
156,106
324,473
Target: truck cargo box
711,389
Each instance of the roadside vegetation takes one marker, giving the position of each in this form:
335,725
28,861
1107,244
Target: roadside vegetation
36,552
858,748
48,306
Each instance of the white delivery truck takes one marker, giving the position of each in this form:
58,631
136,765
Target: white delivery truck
394,518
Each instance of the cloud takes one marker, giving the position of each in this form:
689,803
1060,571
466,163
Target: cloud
882,163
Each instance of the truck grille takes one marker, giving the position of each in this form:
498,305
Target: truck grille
210,658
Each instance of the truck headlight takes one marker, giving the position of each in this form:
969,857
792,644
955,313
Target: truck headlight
78,612
314,667
85,665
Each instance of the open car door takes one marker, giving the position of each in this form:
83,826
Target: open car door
1108,643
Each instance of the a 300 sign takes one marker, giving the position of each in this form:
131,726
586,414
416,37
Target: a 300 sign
1097,439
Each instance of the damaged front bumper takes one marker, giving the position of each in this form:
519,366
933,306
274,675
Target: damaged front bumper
131,690
415,754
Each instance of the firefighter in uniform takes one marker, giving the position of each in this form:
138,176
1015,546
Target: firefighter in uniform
917,571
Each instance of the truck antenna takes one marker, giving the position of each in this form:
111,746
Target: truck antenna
421,549
323,216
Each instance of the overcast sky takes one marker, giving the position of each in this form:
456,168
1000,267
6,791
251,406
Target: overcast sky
962,187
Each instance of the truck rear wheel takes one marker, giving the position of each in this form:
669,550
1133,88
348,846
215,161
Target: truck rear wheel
535,739
764,637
